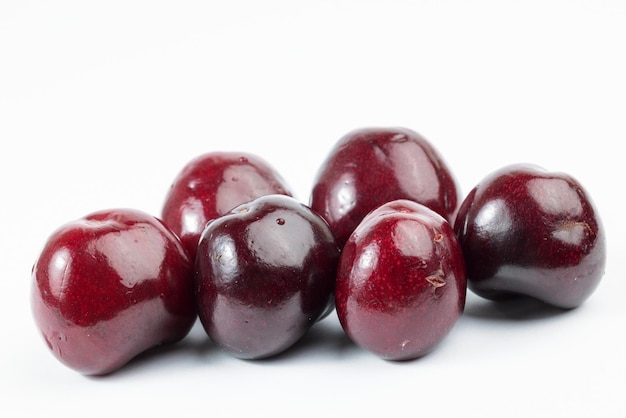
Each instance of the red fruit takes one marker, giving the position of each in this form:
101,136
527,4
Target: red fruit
527,231
265,273
213,184
401,281
370,167
110,286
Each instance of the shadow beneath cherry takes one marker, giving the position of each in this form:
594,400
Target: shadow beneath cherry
518,308
196,343
325,338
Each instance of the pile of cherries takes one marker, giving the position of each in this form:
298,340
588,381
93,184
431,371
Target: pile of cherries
385,240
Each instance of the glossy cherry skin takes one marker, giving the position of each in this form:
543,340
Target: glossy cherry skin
110,286
527,231
211,185
265,273
372,166
401,281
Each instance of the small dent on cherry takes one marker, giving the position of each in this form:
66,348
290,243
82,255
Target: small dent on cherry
438,238
572,232
243,160
48,343
56,337
399,138
280,221
436,281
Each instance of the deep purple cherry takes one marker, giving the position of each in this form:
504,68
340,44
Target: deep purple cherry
265,273
528,231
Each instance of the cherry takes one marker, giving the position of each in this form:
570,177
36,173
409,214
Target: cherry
527,231
372,166
109,286
401,281
265,273
212,184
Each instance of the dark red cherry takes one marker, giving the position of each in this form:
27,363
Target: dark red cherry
372,166
211,185
110,286
401,281
265,273
527,231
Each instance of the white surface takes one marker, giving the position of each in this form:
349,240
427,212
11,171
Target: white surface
101,104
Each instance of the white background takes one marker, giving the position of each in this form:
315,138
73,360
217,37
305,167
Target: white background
102,103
